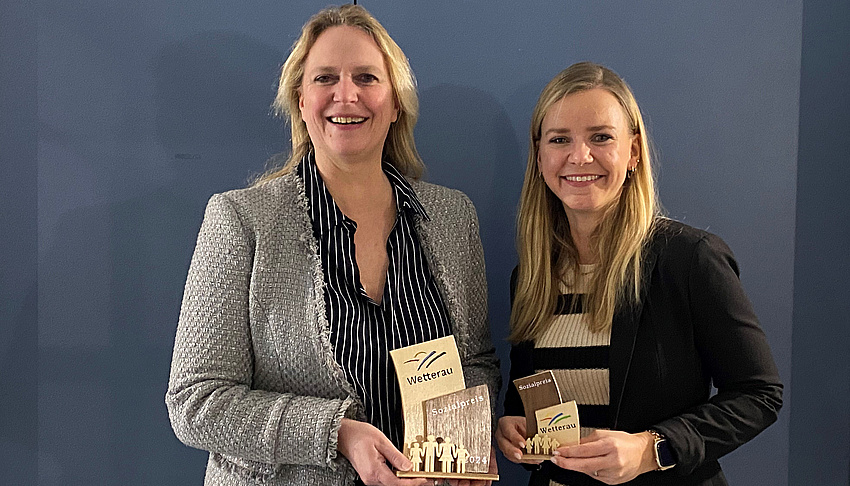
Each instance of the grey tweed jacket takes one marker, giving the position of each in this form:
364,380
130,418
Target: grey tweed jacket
253,376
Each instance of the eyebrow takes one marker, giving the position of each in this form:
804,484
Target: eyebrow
594,128
357,69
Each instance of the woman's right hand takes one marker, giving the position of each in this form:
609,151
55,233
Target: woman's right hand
369,450
511,437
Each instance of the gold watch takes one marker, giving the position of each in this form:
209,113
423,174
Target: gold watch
663,453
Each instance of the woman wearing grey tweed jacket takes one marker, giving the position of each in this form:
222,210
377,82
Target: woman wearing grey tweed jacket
254,378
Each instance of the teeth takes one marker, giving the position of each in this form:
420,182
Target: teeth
345,120
582,178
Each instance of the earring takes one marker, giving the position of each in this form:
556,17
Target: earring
632,170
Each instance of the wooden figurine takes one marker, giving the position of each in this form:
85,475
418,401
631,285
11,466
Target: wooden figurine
462,456
430,447
447,455
545,443
415,456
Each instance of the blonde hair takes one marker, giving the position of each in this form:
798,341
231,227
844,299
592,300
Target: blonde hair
547,253
399,147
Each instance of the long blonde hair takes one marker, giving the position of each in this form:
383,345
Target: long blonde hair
547,253
399,147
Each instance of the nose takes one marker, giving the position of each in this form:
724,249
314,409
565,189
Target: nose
346,90
580,155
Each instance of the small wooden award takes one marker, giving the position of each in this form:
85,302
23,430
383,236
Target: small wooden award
553,422
446,425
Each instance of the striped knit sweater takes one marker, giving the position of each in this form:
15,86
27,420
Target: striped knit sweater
577,357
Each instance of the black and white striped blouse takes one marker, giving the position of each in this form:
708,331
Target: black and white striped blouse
363,332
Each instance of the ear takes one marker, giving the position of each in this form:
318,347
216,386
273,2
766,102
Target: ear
395,113
301,102
539,164
635,151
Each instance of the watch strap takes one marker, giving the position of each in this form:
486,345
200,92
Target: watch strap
664,458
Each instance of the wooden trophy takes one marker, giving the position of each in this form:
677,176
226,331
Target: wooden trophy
446,425
552,421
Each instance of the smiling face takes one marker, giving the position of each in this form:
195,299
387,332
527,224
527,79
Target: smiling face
586,146
346,98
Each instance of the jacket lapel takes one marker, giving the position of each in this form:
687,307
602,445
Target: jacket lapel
623,334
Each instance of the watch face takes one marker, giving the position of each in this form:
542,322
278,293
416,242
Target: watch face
665,454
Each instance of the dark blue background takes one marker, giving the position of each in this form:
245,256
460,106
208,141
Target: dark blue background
119,120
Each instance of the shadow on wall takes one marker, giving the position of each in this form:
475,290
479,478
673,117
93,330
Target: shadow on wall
114,273
467,142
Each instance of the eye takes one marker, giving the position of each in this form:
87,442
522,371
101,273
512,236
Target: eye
366,78
559,140
602,137
324,79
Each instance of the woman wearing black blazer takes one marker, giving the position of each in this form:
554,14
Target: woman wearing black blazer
637,315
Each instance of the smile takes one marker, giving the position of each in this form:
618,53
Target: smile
582,178
346,120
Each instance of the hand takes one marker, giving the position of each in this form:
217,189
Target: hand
609,456
369,450
510,436
493,469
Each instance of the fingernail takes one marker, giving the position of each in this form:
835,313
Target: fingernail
518,456
522,445
556,453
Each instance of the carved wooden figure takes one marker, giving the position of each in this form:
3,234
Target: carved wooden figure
462,456
546,443
415,456
447,455
430,448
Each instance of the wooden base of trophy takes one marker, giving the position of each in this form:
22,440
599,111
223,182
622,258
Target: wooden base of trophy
446,425
535,458
442,475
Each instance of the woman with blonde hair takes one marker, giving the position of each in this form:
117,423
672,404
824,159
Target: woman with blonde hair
301,284
637,315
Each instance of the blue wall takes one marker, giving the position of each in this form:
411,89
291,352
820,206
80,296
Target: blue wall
120,119
820,418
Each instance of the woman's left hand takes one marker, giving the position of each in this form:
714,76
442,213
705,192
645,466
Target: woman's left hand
609,456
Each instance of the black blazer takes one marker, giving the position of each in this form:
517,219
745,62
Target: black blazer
694,327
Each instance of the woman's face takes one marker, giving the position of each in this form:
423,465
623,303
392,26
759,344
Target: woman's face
585,149
346,97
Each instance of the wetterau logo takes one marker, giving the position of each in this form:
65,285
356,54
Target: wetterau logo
424,359
427,361
553,426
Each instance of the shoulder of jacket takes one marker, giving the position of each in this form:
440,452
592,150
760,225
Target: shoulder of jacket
669,231
675,242
266,200
427,191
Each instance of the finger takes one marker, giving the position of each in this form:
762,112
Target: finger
589,449
388,478
511,452
515,436
584,465
514,431
396,458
